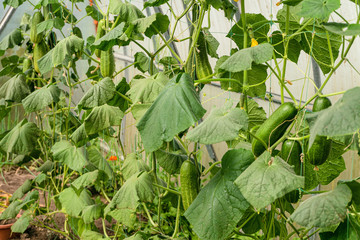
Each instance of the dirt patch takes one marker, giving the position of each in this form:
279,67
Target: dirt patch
11,180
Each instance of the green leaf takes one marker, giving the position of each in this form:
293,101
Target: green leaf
152,25
11,40
41,98
86,180
222,124
126,11
15,89
4,110
64,152
61,53
337,120
139,110
317,46
318,8
11,211
103,117
256,76
137,188
212,44
154,3
294,20
176,109
267,179
71,202
13,3
294,47
109,39
133,164
91,235
22,190
225,5
93,12
349,229
97,160
257,114
146,90
98,94
23,222
143,62
343,28
118,101
245,57
22,139
79,136
171,156
355,189
220,205
47,25
323,210
261,34
91,213
292,2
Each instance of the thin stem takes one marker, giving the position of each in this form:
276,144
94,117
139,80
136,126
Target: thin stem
93,59
210,168
124,97
197,82
243,96
286,46
128,66
143,48
148,215
177,221
167,189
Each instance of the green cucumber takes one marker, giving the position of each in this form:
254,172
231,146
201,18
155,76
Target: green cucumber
40,50
99,33
189,181
203,67
34,36
77,32
274,127
107,63
27,64
320,149
291,153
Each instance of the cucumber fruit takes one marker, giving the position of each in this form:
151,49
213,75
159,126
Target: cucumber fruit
320,149
107,63
274,127
99,33
34,36
189,181
203,67
27,64
40,50
291,153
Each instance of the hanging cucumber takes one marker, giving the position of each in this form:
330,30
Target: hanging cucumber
27,64
203,67
274,127
107,63
291,153
34,36
189,183
320,149
99,33
77,32
40,50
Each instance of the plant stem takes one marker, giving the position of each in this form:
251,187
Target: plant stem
148,215
286,46
210,168
197,82
177,221
167,189
243,96
128,66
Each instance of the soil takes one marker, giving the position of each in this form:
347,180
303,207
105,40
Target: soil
11,180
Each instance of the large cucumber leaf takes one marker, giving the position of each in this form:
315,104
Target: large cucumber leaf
220,205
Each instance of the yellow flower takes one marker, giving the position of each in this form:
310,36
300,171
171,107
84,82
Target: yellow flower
254,42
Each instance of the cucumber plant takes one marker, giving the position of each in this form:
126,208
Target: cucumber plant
75,98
